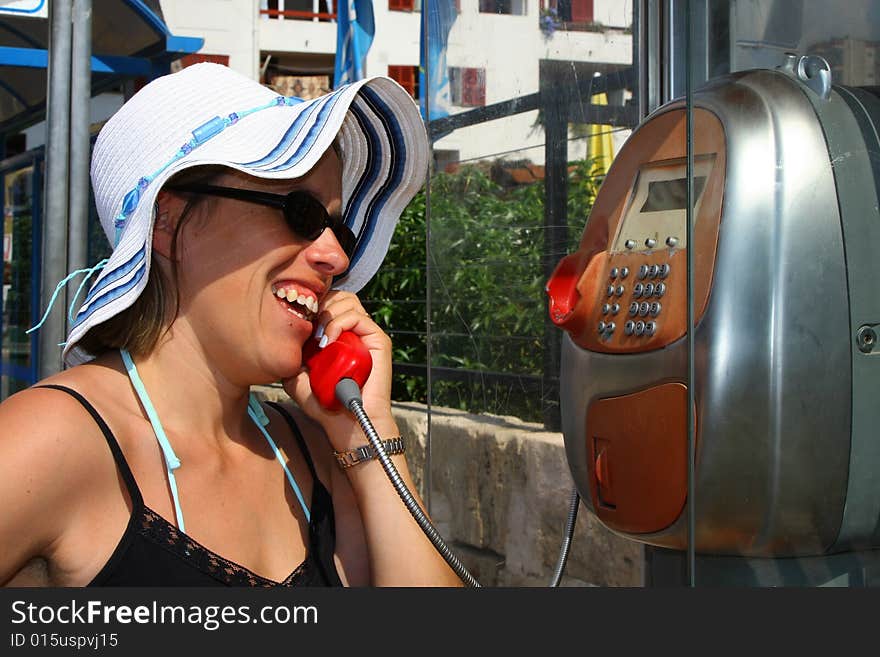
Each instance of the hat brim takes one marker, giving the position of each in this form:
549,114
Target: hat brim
384,162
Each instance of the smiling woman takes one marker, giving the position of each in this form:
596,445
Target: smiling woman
242,224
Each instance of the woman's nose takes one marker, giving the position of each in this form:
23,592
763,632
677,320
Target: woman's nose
326,255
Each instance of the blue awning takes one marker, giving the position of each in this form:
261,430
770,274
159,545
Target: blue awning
129,39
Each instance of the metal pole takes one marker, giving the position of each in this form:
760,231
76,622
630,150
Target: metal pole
429,337
555,108
691,402
80,95
56,189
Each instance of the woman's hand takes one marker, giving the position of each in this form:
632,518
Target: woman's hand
342,311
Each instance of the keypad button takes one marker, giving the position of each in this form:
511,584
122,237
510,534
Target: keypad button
637,290
664,270
644,308
605,308
609,327
629,327
601,327
655,309
614,273
619,290
630,244
643,271
633,309
639,328
671,241
650,242
610,290
649,290
624,272
659,289
650,328
615,308
653,271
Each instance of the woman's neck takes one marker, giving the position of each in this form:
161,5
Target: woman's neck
192,396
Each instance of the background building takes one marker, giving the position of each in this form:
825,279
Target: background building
494,53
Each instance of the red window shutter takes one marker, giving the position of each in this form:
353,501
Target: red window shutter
400,5
405,76
198,58
473,87
581,11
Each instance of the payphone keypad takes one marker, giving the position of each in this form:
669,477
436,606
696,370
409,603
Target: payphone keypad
635,299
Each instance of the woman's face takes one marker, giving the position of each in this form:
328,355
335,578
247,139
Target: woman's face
249,286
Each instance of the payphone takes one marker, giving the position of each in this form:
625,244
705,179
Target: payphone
786,310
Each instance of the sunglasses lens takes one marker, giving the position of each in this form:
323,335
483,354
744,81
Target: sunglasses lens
306,215
308,218
346,238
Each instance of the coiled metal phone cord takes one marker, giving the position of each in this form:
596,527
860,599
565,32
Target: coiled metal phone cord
349,395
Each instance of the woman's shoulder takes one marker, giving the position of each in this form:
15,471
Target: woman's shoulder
41,414
44,428
51,461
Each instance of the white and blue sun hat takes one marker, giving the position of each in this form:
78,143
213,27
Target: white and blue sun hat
209,114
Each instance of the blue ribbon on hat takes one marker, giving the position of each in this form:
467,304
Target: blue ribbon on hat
200,135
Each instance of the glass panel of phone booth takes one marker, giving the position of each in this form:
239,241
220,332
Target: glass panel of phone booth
512,186
783,447
18,281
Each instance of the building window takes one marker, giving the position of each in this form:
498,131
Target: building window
407,77
297,10
467,86
514,7
573,11
198,58
404,5
446,160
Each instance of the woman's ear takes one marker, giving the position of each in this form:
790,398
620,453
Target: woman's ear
164,224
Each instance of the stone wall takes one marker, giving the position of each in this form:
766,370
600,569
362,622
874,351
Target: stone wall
500,497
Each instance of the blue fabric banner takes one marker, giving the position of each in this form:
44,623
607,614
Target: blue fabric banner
434,88
355,28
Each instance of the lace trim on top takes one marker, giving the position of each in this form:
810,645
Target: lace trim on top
161,532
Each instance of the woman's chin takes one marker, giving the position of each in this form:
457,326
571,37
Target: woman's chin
282,369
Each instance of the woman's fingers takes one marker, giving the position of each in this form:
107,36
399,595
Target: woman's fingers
342,311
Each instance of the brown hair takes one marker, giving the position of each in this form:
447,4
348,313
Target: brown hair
139,327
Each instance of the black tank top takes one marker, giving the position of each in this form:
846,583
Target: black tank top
153,552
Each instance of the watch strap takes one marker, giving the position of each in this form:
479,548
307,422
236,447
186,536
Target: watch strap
366,452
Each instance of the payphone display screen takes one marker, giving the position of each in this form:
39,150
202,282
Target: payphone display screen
657,208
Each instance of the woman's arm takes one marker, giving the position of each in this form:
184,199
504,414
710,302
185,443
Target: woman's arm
397,551
42,471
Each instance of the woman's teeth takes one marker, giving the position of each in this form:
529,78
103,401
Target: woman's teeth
309,304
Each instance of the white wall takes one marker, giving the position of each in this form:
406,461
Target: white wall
229,27
508,47
613,13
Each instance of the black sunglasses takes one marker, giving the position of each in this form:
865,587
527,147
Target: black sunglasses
305,215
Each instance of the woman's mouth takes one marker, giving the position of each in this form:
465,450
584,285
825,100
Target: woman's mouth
302,303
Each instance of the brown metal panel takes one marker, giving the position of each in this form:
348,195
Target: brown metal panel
637,447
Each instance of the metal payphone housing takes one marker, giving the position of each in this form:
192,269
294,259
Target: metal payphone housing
786,412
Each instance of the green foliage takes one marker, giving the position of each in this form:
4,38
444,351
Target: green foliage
487,288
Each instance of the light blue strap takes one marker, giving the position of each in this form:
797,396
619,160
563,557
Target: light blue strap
256,418
60,286
258,413
91,271
171,460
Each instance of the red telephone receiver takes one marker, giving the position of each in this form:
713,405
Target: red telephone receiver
345,358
